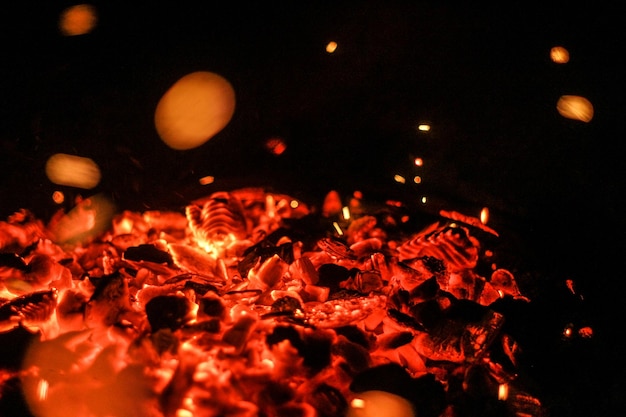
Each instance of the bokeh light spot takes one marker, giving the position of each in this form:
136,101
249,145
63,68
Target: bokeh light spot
575,107
194,109
331,47
73,171
78,20
275,145
559,55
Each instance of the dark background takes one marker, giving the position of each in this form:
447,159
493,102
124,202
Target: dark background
480,75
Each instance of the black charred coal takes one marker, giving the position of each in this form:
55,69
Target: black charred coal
356,358
331,275
354,334
328,401
259,253
211,306
286,305
13,260
168,312
149,253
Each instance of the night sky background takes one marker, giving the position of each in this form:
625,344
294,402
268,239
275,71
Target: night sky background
480,75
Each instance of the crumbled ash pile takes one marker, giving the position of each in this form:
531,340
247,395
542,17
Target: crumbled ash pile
248,304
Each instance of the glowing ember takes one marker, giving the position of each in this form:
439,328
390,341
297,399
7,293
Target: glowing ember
237,306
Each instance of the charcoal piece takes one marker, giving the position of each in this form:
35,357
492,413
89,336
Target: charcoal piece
168,312
211,306
259,253
434,265
316,350
286,305
328,401
331,275
200,289
427,313
149,253
477,337
13,260
238,334
36,306
356,357
426,290
404,319
354,334
280,333
336,248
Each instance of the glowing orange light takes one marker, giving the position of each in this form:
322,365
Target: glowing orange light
58,197
423,200
78,20
418,162
194,109
484,215
575,107
294,204
399,178
276,146
559,55
338,228
72,170
380,404
331,47
503,392
345,211
417,179
206,180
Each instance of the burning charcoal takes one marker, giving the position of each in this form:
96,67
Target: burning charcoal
148,253
33,308
168,312
427,313
302,268
479,336
108,302
287,305
336,248
238,334
269,274
164,341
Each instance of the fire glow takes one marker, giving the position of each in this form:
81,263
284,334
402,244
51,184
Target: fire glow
235,307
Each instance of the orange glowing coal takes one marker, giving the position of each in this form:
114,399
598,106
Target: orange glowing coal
249,302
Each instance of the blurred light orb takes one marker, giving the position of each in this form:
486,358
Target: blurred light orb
275,145
331,47
58,197
380,404
78,20
194,109
575,107
73,171
559,55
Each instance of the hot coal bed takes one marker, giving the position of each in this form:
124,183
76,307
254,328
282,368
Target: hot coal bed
251,303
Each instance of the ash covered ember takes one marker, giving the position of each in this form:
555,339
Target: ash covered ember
248,303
